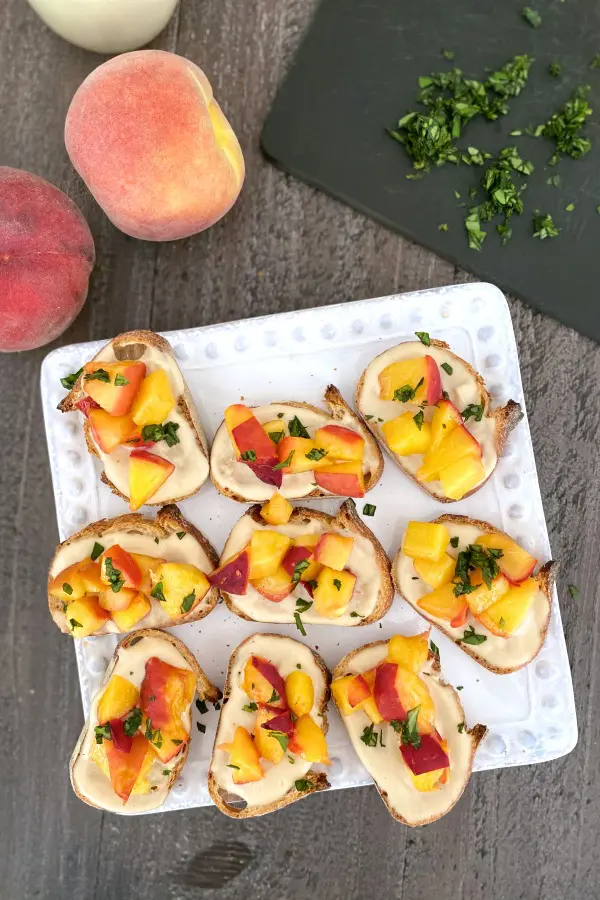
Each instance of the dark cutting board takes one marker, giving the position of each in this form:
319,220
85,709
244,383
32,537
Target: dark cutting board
356,73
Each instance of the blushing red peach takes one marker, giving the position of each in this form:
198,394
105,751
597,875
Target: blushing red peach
46,257
153,146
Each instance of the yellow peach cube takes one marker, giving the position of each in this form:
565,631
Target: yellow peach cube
405,437
425,540
154,400
461,477
119,697
435,574
409,652
277,510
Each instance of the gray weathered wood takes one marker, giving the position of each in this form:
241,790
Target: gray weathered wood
517,834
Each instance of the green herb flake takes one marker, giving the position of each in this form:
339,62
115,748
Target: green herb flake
473,410
454,542
297,429
232,766
356,615
423,337
443,227
274,697
201,727
188,602
303,605
555,69
299,623
564,127
113,575
176,741
337,584
574,591
409,733
102,733
121,381
180,535
501,623
419,419
434,649
98,375
369,737
276,436
157,592
447,368
166,432
249,456
303,784
448,54
532,16
155,735
97,550
461,727
316,454
459,687
406,393
471,637
68,382
286,462
67,588
554,181
250,707
595,63
133,721
569,207
369,509
281,738
201,707
75,624
544,226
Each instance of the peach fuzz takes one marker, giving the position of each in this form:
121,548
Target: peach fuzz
153,147
46,257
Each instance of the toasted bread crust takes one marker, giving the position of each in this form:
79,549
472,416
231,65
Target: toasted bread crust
476,733
205,690
338,408
346,518
506,419
168,520
318,780
545,578
130,345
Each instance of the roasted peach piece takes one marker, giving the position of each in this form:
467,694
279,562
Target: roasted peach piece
263,683
147,472
334,550
119,569
124,767
232,575
68,585
345,479
507,613
458,444
118,699
243,757
409,652
299,692
308,741
110,431
154,400
277,510
443,604
446,418
425,540
484,596
515,563
85,616
435,574
333,592
340,443
139,607
297,450
407,435
267,549
275,587
182,585
113,385
461,477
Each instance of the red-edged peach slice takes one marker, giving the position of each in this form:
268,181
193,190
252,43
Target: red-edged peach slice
427,757
358,691
516,564
263,683
118,699
334,550
120,740
113,385
147,472
124,767
86,404
345,479
232,575
296,450
166,693
340,443
117,565
275,587
247,434
281,721
408,373
386,693
445,419
110,431
309,741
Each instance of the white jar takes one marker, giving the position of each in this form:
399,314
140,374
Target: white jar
106,26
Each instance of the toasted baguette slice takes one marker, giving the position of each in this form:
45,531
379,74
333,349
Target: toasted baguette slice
384,761
236,480
464,387
373,592
89,782
189,456
285,782
169,536
498,654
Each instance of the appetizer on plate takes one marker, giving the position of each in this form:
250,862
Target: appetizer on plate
272,727
407,726
137,736
296,449
130,571
140,420
301,565
478,586
431,411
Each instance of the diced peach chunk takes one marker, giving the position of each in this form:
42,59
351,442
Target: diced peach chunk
459,444
345,479
515,563
405,373
110,431
340,443
309,742
119,569
299,692
263,683
425,540
85,616
334,550
275,587
405,437
147,472
435,574
339,689
68,585
117,601
333,592
147,565
182,585
232,575
267,549
124,767
413,692
277,510
247,435
409,652
113,385
154,400
446,418
298,449
442,603
484,596
461,477
266,744
91,576
358,691
275,429
428,781
243,757
139,607
302,550
505,616
119,697
369,707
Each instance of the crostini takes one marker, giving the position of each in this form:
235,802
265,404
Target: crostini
304,566
295,449
131,571
139,419
136,740
407,726
478,586
272,727
431,411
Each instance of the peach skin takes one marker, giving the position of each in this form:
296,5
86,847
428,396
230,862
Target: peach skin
46,256
153,147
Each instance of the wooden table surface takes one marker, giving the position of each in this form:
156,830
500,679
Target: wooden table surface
518,833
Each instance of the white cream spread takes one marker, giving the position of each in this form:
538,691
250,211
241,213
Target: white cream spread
462,389
362,562
191,465
386,764
240,479
507,653
284,653
171,548
87,777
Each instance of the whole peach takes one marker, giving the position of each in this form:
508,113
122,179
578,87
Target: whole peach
46,256
153,147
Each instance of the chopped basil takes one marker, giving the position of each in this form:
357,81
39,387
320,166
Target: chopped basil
337,584
231,766
303,784
454,542
409,733
369,509
442,227
419,419
554,181
274,697
316,454
368,418
381,738
176,741
544,226
434,649
67,588
249,455
461,727
281,738
153,735
217,705
299,623
448,54
276,436
312,584
180,535
113,575
286,462
300,567
75,624
459,687
303,605
250,707
97,550
502,622
280,415
356,615
471,637
447,368
121,381
573,591
201,727
132,722
157,592
475,557
156,540
188,602
569,207
555,69
475,410
406,393
423,337
68,381
201,707
166,432
532,16
102,732
166,771
297,429
98,375
298,666
291,759
369,737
